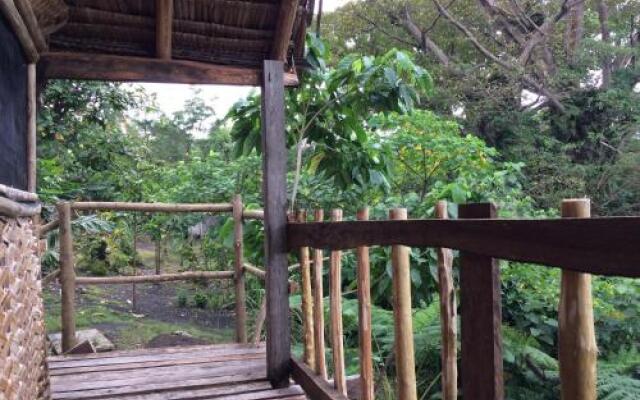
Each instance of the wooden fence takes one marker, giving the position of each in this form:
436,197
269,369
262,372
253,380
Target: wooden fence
68,279
576,243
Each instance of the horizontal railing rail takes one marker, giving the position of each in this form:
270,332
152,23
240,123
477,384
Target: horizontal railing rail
602,246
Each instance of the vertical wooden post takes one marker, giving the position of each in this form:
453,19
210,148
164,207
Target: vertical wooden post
134,294
364,316
67,277
318,306
241,305
447,316
335,312
262,314
274,190
164,28
403,324
307,300
481,318
31,128
158,255
577,349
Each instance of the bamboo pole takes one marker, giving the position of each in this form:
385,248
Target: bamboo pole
335,311
241,300
447,315
67,278
405,363
31,128
577,348
132,279
307,300
318,306
364,316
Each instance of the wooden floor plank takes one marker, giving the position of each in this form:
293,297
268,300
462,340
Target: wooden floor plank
161,350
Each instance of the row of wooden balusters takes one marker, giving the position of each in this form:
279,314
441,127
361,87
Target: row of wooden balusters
311,274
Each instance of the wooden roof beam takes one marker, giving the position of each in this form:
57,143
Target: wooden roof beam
11,13
164,28
89,66
284,28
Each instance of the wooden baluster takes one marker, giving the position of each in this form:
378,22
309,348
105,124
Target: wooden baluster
307,300
403,324
335,311
318,307
447,316
481,318
577,349
238,246
67,278
262,315
364,316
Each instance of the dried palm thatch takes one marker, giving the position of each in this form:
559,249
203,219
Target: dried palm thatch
216,31
23,373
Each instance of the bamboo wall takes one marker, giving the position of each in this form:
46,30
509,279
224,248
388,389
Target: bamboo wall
23,371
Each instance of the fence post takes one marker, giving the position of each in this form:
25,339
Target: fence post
481,317
364,316
241,306
67,277
318,306
405,359
447,315
307,299
158,255
335,311
577,348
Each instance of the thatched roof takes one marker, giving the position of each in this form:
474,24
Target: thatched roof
226,32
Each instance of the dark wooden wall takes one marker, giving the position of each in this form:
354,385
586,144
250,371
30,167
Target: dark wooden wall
13,109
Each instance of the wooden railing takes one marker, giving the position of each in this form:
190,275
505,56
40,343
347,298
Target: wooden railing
578,244
68,279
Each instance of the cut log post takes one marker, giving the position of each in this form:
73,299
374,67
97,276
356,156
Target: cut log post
447,316
364,316
238,246
577,349
403,324
274,190
481,317
320,367
307,300
67,278
335,311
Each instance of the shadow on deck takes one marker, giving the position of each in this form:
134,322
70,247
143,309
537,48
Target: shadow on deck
229,371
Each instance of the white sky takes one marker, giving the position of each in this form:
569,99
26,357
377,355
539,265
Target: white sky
171,97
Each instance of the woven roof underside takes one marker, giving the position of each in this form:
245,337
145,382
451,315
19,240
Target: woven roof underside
214,31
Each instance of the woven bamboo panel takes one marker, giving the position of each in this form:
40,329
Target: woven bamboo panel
23,371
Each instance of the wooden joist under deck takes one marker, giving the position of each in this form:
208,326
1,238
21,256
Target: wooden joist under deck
229,371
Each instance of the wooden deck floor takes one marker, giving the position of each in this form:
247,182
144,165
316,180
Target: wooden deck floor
233,371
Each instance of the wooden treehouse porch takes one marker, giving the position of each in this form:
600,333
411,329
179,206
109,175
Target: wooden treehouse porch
231,371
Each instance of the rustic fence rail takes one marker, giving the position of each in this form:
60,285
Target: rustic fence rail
67,276
576,243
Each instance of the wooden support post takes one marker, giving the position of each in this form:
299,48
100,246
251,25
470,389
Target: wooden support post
320,367
577,349
307,300
335,311
403,324
31,128
241,301
67,278
158,255
481,317
447,316
164,28
364,316
274,191
134,294
262,314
